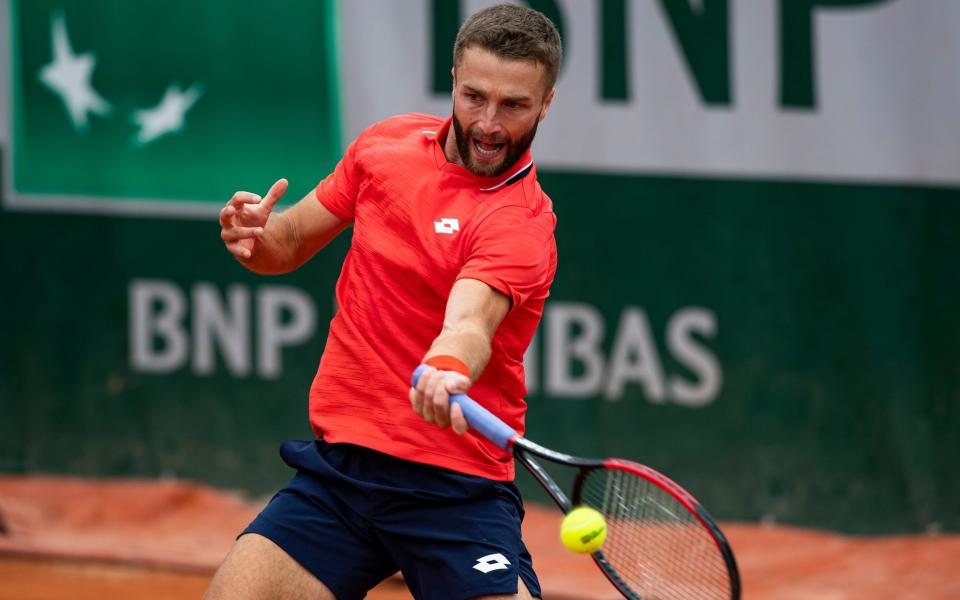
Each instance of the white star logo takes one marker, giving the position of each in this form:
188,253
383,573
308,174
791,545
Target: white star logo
167,116
69,76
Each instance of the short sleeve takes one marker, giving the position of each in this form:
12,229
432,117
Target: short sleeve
514,252
338,191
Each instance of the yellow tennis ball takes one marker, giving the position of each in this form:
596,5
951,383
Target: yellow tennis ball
583,530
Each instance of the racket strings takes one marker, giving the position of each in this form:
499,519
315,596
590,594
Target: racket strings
656,545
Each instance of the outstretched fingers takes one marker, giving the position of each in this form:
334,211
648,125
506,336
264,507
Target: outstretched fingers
234,207
276,191
243,218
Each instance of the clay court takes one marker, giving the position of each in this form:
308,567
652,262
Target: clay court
86,539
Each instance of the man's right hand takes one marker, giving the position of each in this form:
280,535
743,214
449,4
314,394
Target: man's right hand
243,219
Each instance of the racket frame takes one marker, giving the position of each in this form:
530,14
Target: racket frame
522,449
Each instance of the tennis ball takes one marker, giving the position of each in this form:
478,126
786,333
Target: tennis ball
583,530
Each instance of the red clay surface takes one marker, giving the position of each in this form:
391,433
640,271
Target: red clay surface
85,539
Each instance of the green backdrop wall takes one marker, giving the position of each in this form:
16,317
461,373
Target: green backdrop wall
780,337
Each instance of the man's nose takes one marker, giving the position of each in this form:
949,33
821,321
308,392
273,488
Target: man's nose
489,124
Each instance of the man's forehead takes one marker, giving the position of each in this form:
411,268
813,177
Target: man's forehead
477,54
479,67
480,89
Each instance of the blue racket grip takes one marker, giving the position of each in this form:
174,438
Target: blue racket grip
481,419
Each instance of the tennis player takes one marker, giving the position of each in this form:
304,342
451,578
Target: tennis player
450,263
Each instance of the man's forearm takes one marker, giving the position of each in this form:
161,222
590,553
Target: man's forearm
474,311
470,346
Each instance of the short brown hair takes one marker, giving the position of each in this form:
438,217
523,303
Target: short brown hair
514,33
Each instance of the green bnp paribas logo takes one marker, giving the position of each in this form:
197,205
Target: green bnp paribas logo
69,75
167,107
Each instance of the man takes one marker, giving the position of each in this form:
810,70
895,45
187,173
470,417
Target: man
450,263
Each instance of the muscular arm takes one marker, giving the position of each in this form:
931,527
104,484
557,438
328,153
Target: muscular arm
474,311
272,243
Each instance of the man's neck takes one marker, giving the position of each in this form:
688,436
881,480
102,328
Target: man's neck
450,149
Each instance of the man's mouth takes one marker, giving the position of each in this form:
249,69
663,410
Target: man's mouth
487,150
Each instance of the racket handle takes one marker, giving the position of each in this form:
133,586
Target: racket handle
485,422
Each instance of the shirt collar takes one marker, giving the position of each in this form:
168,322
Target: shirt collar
517,171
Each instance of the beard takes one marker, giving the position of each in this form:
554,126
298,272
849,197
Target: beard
514,149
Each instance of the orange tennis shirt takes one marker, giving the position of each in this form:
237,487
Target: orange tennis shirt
420,223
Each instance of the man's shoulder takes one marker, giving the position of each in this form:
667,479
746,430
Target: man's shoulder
400,126
525,194
523,207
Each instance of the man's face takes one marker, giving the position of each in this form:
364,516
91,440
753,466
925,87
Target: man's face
497,105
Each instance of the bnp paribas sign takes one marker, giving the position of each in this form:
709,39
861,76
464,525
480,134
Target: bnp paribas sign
168,106
151,107
863,91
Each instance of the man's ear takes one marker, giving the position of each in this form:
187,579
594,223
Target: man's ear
546,104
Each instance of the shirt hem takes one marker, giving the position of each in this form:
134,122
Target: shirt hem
458,464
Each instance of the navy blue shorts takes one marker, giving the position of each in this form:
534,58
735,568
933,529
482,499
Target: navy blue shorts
353,517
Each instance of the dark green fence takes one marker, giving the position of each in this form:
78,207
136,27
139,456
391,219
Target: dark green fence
786,349
835,336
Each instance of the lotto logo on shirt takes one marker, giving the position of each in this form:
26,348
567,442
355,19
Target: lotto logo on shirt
446,225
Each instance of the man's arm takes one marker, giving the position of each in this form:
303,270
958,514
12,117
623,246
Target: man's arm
271,243
474,311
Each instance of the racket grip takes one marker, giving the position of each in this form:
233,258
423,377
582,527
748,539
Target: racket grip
485,422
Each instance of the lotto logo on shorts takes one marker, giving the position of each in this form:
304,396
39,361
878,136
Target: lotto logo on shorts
491,562
446,225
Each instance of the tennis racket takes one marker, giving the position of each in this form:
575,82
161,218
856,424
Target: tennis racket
661,543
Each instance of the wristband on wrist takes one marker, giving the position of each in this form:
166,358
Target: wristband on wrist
448,363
